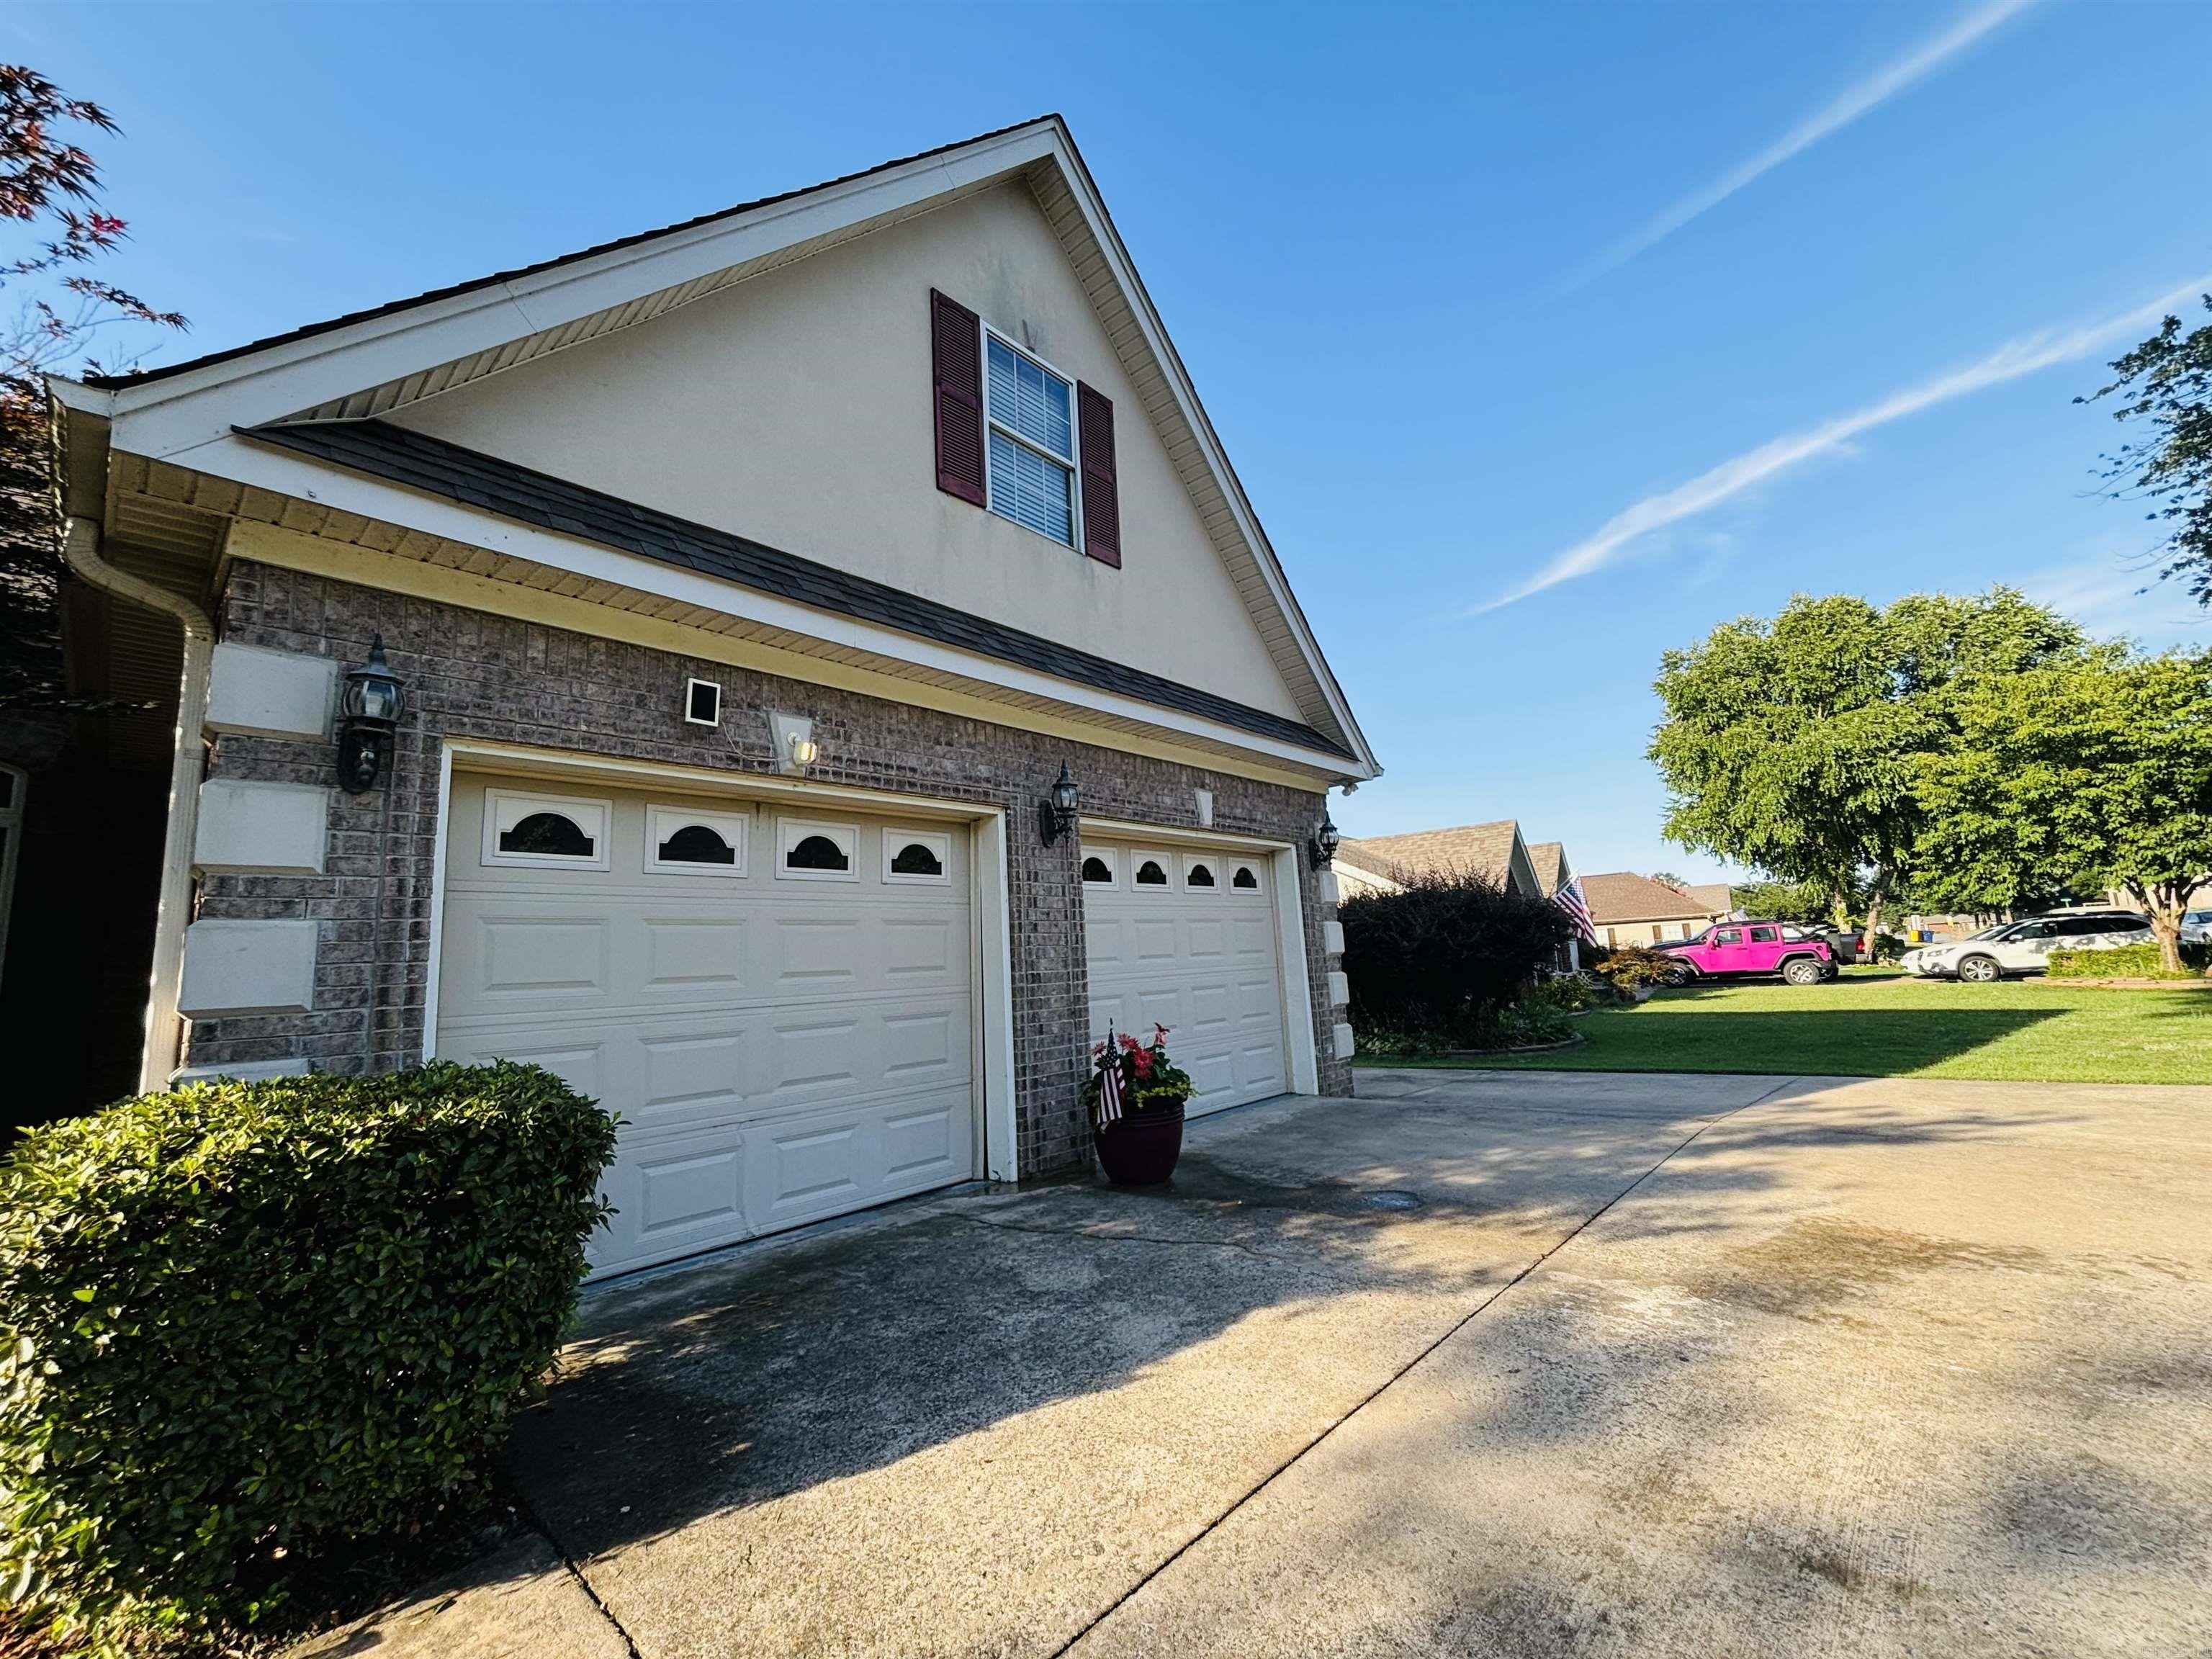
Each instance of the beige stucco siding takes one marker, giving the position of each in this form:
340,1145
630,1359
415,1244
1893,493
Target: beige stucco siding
796,409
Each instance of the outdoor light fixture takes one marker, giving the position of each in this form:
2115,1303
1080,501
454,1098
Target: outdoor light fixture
791,740
1056,812
368,712
1322,847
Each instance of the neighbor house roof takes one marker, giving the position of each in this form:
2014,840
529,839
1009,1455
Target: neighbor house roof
1623,895
1484,849
1550,857
1715,896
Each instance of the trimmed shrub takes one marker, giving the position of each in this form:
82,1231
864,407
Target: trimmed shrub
1439,959
1626,967
246,1320
2123,962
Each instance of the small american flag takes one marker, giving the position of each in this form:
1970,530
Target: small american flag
1569,899
1110,1083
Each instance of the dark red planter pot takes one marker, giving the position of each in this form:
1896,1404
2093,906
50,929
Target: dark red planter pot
1141,1150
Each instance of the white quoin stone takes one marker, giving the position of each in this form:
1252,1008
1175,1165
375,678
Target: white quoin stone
1339,989
1344,1041
1332,936
270,694
262,828
248,967
252,1071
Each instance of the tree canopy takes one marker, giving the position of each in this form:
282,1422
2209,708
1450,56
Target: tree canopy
2166,384
2077,775
1796,744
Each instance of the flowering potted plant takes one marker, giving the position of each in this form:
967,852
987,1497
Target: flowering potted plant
1135,1097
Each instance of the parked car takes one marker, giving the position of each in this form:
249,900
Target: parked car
2195,926
2023,947
1733,949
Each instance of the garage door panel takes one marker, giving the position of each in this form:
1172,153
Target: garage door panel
691,954
778,1050
527,956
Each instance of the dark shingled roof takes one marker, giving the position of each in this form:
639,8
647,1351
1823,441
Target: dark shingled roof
438,468
109,382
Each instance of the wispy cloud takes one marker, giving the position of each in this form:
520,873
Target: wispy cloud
2114,591
1855,101
1731,478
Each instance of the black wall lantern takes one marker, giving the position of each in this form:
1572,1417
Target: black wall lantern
1056,812
368,714
1322,847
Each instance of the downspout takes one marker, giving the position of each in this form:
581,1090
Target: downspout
160,1053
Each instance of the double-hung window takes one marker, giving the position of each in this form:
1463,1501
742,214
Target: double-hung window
1031,442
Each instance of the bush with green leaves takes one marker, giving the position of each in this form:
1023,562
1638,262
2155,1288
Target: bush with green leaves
1438,958
245,1321
2124,962
1631,967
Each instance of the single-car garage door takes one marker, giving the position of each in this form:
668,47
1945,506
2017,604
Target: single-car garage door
1186,939
778,1003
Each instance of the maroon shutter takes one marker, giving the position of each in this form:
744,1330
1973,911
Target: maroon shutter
1101,502
956,361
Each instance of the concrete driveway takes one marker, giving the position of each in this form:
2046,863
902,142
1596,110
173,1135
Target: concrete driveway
1520,1365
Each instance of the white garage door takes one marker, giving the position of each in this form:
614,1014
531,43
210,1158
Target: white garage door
1187,940
778,1004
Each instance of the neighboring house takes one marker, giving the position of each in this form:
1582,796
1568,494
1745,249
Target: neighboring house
748,584
1554,872
1379,863
1717,896
1627,908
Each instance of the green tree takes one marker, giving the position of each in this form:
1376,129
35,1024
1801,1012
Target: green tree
2083,773
1669,879
1789,900
55,307
2166,383
1795,745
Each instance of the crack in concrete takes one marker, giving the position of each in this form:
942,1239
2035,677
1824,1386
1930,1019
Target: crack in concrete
1392,1381
522,1507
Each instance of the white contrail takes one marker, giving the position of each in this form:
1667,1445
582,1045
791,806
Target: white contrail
1732,477
1875,90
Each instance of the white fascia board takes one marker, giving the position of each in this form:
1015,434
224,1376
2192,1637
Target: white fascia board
262,465
164,418
1186,393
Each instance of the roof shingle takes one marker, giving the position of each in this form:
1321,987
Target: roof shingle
1484,849
1623,895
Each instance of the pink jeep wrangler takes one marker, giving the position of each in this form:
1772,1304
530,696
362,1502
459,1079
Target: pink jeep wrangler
1731,948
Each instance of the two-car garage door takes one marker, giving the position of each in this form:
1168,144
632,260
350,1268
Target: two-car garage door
780,1001
778,1004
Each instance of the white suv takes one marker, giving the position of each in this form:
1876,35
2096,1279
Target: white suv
2021,947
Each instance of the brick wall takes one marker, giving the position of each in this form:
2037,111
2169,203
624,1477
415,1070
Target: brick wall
470,674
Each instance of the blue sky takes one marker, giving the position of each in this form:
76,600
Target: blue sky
1647,314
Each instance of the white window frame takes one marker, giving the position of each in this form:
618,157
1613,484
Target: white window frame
1072,460
1259,887
1138,858
896,841
789,832
1190,861
585,811
662,822
1111,858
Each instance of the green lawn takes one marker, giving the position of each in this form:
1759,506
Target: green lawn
1877,1024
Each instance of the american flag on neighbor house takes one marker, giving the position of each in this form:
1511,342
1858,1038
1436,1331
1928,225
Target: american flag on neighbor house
1110,1083
1569,899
